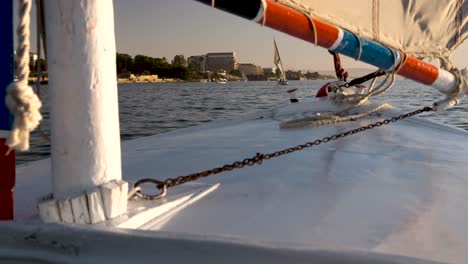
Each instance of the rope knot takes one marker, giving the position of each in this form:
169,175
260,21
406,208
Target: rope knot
21,100
24,104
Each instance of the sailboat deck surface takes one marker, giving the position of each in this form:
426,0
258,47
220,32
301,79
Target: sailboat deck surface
399,189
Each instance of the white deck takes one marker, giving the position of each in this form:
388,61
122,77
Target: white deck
400,189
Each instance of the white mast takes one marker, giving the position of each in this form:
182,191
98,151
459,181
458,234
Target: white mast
81,56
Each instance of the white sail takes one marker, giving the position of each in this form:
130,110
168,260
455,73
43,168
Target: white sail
421,28
277,62
244,77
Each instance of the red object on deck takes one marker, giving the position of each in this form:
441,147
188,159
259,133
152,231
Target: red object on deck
7,181
322,92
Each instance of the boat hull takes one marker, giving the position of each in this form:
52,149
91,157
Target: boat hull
46,244
282,82
381,191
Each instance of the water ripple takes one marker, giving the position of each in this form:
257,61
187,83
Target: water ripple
153,108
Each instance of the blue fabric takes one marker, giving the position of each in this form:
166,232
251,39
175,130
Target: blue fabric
6,60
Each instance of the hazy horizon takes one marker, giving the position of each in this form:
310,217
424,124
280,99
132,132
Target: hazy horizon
165,28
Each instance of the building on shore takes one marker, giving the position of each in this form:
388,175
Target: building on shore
269,71
33,58
219,61
250,69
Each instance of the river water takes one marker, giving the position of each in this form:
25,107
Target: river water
153,108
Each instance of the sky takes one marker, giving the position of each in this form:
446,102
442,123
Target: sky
165,28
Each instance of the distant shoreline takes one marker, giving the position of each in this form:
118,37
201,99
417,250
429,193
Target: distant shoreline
122,80
191,81
149,81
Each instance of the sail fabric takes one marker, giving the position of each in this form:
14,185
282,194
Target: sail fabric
277,61
421,28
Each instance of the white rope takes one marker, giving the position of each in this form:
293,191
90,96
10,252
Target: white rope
358,99
454,96
21,100
360,47
339,98
329,119
445,63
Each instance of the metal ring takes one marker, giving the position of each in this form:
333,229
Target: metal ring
157,184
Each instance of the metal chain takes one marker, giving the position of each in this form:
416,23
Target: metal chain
260,157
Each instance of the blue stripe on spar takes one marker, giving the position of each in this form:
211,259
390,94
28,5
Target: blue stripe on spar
372,52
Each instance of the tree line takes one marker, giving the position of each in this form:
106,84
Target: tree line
139,65
145,65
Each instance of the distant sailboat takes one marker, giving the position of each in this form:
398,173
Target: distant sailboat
277,61
221,81
244,78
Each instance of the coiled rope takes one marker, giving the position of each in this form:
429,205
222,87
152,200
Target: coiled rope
353,100
21,100
454,96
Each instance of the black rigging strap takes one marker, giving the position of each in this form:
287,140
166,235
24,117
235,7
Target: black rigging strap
342,75
366,78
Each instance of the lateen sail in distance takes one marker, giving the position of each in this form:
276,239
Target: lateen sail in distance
244,77
421,28
277,59
279,64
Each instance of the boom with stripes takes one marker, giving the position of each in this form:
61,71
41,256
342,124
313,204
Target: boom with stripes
331,37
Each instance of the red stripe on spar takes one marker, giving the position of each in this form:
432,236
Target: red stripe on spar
295,23
419,71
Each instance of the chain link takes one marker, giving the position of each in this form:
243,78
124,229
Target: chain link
260,157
